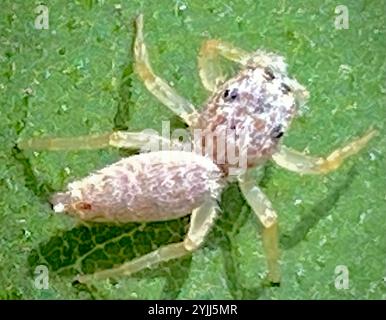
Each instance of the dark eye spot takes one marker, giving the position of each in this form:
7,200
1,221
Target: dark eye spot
234,94
268,74
230,95
277,132
285,88
279,135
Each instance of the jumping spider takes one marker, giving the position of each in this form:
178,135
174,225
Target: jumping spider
259,103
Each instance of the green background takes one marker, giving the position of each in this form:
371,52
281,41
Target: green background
76,78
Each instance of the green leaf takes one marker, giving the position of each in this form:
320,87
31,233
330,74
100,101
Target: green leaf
76,78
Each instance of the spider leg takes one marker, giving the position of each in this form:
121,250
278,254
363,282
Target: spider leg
157,86
262,207
201,222
212,76
118,139
298,162
209,63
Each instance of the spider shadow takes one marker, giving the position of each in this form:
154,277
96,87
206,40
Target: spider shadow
235,215
322,209
91,247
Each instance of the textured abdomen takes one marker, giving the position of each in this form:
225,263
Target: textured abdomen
146,187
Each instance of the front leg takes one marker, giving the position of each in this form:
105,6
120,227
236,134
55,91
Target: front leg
212,75
262,208
201,223
209,66
157,86
298,162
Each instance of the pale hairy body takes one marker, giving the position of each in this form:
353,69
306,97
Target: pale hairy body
256,107
146,187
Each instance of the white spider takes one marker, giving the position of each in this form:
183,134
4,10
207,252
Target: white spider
257,106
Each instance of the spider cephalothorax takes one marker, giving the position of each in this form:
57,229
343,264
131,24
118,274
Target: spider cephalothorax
249,113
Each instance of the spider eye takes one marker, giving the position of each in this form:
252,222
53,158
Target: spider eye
230,95
285,88
277,132
268,74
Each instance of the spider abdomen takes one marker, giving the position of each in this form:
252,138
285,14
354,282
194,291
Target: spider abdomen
146,187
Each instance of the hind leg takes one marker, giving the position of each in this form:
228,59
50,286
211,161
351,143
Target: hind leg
201,223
